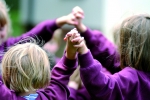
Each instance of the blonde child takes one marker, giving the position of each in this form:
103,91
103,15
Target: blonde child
132,82
26,73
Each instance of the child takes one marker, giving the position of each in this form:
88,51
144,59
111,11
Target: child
94,38
26,74
43,31
132,82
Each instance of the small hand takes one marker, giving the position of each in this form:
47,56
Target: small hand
79,15
78,12
78,41
70,49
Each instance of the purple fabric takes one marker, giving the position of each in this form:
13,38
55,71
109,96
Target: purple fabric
43,31
128,84
57,90
105,52
102,49
80,94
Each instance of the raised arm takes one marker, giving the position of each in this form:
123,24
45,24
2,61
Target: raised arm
42,32
61,72
57,90
101,48
102,86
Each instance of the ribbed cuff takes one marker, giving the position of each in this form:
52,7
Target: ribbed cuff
87,33
86,60
69,62
54,25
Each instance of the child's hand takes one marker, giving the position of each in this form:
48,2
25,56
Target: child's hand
74,18
68,19
77,41
70,49
79,15
80,45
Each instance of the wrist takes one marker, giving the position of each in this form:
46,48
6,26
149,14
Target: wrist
61,21
83,50
70,55
81,27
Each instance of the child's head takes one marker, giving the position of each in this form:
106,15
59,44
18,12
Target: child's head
5,24
135,42
25,67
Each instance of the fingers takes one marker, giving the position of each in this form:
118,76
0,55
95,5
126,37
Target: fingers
74,37
79,16
77,39
74,20
77,9
78,12
73,33
80,43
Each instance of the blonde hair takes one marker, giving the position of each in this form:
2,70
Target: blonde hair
25,67
4,17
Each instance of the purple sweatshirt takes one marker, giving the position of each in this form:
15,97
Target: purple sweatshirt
128,84
43,31
57,90
102,49
81,94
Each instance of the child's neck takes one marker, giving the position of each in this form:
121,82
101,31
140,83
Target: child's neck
27,93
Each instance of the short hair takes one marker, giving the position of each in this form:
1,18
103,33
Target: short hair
25,67
134,43
4,17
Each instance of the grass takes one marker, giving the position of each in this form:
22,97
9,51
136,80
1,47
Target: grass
17,27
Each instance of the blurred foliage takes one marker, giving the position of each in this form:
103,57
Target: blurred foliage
15,17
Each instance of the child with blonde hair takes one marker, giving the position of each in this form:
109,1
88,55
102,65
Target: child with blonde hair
132,82
26,73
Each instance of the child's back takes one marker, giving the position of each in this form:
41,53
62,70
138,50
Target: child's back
26,74
132,82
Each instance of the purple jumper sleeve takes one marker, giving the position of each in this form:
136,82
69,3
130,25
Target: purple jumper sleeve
102,49
58,90
80,94
5,93
119,86
42,32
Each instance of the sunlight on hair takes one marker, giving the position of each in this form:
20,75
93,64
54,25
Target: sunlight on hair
26,67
